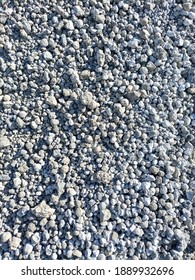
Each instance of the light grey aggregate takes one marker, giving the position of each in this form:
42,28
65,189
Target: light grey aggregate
97,129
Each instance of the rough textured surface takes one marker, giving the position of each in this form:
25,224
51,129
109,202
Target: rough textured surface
43,210
97,120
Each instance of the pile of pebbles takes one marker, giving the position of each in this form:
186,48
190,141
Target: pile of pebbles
97,119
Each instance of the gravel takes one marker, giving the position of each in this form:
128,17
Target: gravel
5,236
43,210
14,243
4,142
97,129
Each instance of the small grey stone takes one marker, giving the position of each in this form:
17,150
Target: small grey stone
179,234
144,34
133,95
101,257
77,253
4,177
78,11
138,231
144,21
14,243
17,182
151,66
153,206
31,227
20,122
60,10
23,211
71,191
119,108
105,215
133,43
44,43
43,210
100,18
47,55
54,256
154,170
51,100
69,254
3,18
191,90
100,57
85,74
63,40
79,212
74,76
2,187
187,5
114,236
6,236
69,25
87,99
4,142
35,238
28,248
103,177
65,169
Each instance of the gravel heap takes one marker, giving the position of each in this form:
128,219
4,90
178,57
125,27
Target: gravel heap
97,119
